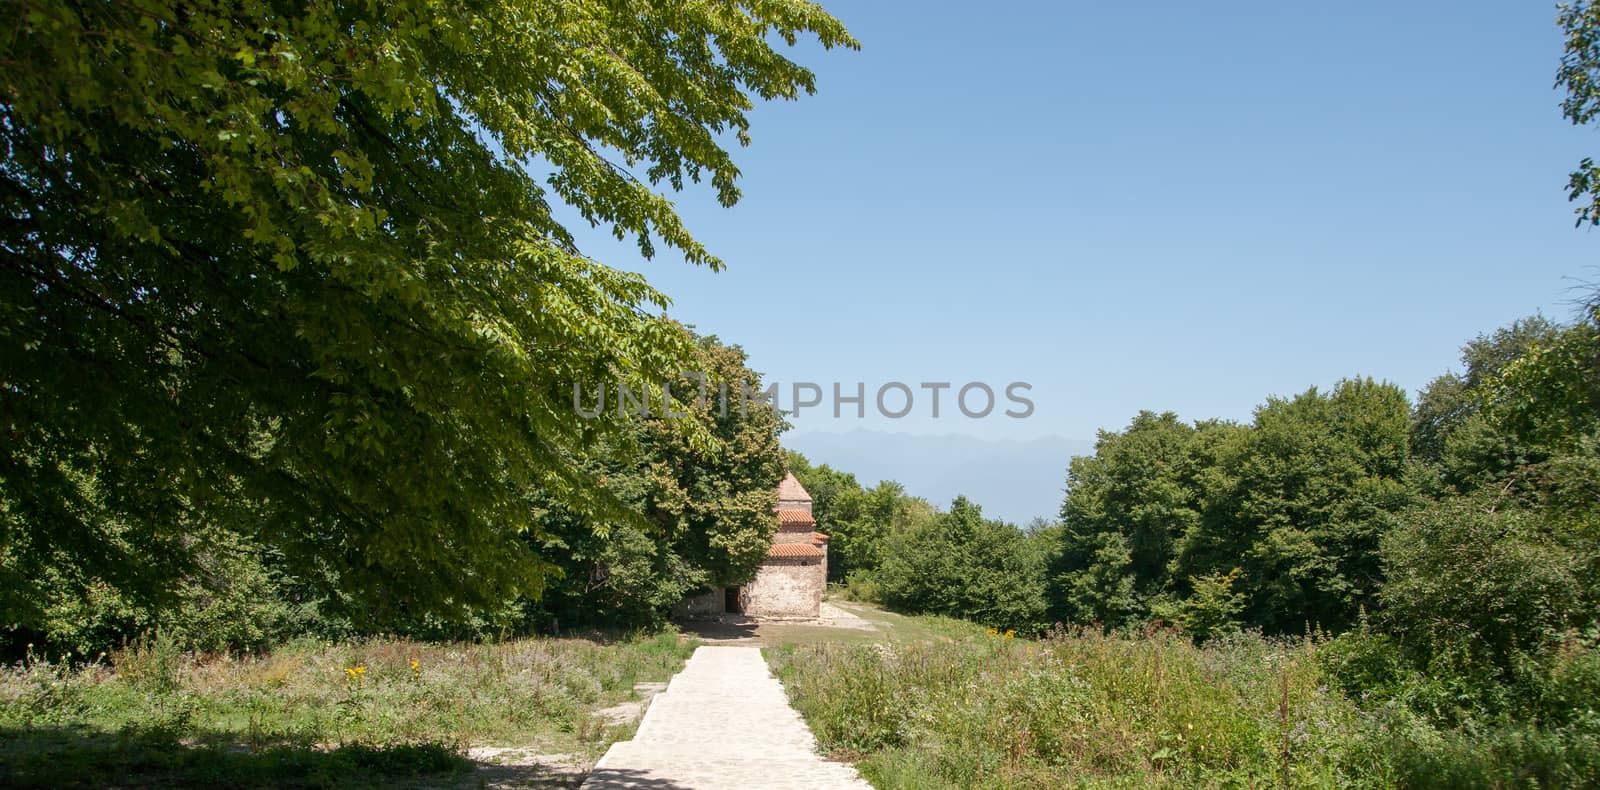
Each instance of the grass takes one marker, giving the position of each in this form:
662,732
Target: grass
314,714
1141,710
887,628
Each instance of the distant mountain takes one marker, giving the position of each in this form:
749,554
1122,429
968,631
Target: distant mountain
1012,479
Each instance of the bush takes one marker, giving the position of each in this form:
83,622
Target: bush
232,600
861,586
1411,754
1483,602
150,662
1461,573
1212,611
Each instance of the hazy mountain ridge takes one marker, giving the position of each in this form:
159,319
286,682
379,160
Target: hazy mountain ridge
1011,479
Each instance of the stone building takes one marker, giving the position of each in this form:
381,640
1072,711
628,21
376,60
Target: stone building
790,583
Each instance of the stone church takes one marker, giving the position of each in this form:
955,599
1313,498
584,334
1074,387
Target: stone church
790,583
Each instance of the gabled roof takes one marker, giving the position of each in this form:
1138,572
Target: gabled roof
790,489
791,551
795,518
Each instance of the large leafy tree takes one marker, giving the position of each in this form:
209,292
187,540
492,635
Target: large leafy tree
1448,402
296,267
1125,505
1130,507
1317,485
709,513
1286,512
963,565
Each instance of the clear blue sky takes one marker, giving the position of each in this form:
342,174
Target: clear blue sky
1165,205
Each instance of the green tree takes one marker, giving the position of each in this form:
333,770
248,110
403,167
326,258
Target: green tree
1211,610
1314,487
1481,595
1297,501
709,513
1448,402
960,564
1580,76
885,510
295,269
1125,507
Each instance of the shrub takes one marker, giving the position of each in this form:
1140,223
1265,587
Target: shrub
1211,611
862,586
150,662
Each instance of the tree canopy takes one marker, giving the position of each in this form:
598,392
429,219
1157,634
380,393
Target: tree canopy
299,270
1291,507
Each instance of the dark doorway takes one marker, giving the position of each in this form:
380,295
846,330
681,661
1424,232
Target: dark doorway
730,603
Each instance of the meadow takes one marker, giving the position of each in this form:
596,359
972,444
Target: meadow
371,713
1146,709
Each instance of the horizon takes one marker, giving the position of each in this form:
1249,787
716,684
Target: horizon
1128,250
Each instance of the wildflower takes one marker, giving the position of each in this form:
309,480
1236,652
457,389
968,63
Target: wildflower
1010,633
355,672
416,668
994,632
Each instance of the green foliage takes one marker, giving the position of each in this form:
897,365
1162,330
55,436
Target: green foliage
1450,400
859,522
709,511
1145,711
1549,396
1295,501
1489,585
232,599
960,564
1103,591
1580,76
1213,609
1317,483
1126,506
295,271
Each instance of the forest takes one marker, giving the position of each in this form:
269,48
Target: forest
1437,557
293,307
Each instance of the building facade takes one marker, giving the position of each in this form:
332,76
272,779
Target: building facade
790,583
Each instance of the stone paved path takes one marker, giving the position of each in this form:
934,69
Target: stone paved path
723,722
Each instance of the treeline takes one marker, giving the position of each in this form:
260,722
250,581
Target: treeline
900,550
1454,542
691,504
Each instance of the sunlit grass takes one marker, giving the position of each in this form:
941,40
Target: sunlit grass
1139,710
153,710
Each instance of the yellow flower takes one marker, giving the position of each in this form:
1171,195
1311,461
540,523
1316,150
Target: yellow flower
355,672
994,632
416,668
1010,633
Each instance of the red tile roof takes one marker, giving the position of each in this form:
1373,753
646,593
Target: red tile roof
789,551
818,536
801,518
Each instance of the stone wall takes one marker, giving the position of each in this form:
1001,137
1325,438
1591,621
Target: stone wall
786,588
794,504
707,604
